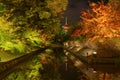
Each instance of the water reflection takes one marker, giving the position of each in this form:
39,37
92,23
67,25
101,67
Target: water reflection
104,68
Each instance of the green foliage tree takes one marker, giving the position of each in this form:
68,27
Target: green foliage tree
40,14
30,24
35,21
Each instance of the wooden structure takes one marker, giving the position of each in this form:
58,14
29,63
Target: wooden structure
66,27
105,63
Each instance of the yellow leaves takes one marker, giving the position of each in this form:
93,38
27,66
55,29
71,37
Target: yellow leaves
58,6
46,58
12,46
7,26
101,21
46,39
4,24
33,37
44,15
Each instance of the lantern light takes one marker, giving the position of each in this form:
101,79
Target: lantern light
94,53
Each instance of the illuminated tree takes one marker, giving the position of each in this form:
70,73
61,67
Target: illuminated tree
33,22
101,21
41,14
26,25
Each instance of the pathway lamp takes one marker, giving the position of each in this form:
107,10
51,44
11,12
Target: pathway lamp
94,71
94,54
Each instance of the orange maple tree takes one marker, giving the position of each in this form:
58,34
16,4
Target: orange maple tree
101,21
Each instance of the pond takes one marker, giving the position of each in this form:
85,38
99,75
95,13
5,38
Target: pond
72,72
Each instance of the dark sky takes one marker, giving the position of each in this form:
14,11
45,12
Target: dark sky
73,10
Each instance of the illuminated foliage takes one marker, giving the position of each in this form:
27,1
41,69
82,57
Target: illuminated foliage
9,42
42,14
101,21
15,41
28,71
26,25
29,23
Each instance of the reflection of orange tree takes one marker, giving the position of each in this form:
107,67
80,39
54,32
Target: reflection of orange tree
108,49
102,21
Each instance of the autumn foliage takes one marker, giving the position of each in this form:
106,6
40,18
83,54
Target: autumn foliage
101,21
